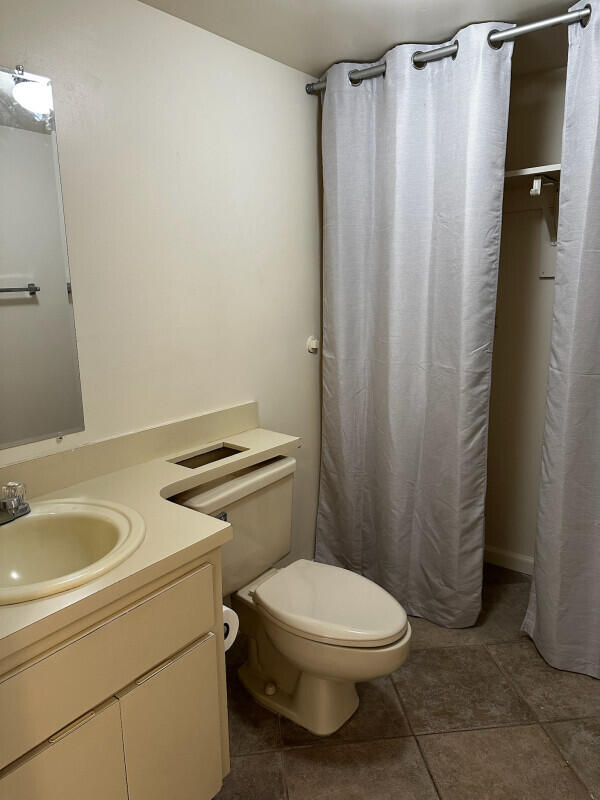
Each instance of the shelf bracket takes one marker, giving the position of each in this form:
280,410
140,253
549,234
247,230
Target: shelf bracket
536,189
549,200
550,211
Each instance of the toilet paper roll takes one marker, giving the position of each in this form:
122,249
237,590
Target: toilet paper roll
231,626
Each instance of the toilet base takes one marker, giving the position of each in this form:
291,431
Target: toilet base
321,705
318,704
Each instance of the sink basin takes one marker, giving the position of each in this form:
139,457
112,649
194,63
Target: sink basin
62,544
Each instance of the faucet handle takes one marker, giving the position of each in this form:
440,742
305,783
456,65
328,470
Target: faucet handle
14,489
13,495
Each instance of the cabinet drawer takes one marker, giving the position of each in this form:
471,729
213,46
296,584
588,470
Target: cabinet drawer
87,762
57,689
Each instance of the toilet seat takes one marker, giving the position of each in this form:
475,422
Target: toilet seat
331,605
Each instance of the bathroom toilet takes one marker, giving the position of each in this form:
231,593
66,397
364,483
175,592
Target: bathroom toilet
313,629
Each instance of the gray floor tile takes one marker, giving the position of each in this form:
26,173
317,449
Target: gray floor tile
516,763
504,606
258,777
379,716
252,728
494,575
456,688
552,693
579,742
502,613
426,635
391,769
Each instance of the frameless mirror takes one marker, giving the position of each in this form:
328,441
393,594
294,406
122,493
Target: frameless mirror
40,390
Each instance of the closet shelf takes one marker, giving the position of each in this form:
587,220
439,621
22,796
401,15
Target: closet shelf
545,177
526,175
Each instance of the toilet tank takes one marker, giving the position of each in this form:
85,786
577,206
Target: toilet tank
257,501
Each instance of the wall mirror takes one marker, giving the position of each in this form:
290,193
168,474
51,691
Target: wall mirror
40,390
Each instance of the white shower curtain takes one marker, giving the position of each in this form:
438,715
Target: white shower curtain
563,617
413,169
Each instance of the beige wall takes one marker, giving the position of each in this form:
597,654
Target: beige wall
535,119
523,328
189,170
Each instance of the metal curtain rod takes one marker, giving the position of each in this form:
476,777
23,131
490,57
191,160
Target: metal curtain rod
495,40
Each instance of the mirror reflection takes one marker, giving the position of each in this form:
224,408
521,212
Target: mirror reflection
40,391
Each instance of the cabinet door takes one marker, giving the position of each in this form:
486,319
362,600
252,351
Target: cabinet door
171,728
85,760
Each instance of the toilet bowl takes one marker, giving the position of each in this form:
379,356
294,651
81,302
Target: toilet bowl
314,631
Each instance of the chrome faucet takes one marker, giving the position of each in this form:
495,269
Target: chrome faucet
12,502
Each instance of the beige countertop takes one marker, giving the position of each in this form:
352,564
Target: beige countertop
174,535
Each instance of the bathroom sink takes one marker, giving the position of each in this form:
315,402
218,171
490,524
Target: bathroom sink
62,544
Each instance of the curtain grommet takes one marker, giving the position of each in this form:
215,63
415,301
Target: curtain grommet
415,64
494,45
585,21
457,43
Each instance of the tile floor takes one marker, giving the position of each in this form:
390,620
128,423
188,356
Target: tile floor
473,713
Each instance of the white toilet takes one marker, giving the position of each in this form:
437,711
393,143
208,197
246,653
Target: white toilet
314,630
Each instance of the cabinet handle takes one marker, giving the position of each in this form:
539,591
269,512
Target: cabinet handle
153,672
147,675
56,737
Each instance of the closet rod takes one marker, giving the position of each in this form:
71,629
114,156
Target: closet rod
495,39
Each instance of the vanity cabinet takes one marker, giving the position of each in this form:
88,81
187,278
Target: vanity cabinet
170,717
84,760
132,708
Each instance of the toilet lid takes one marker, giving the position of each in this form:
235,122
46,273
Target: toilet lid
331,604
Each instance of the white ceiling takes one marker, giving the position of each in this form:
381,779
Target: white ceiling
310,35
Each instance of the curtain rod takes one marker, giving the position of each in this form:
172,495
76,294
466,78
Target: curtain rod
495,40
